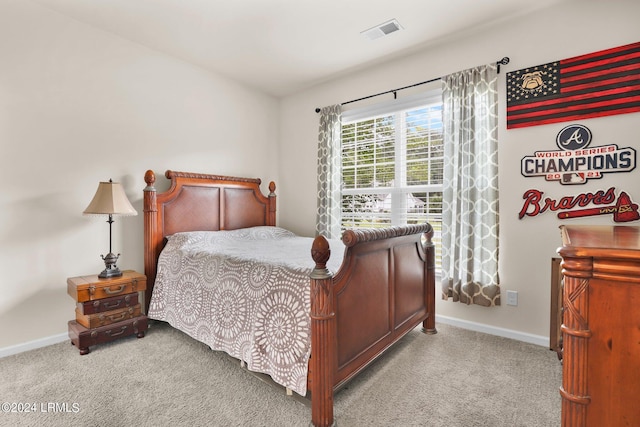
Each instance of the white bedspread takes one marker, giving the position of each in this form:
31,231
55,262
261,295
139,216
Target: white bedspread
245,292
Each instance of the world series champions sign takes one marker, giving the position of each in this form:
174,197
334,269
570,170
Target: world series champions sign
576,162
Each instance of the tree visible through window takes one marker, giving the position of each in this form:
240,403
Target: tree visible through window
392,169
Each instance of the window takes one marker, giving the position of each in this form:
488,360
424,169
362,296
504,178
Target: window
392,164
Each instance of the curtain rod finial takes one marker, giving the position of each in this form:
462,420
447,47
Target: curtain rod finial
317,110
503,61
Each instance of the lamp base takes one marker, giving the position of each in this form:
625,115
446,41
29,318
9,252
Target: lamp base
110,270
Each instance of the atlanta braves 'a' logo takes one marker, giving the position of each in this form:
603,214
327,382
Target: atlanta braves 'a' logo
573,137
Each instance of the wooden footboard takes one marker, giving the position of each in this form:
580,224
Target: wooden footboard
384,289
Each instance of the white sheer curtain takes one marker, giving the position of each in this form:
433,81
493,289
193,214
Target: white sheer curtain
329,173
470,187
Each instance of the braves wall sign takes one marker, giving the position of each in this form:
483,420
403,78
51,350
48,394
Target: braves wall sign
575,162
620,206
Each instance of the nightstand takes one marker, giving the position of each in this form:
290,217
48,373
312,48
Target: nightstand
106,309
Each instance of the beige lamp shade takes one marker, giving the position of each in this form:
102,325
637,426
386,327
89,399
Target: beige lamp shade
110,199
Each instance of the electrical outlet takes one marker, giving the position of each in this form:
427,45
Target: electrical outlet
512,297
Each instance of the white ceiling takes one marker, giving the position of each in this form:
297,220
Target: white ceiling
283,46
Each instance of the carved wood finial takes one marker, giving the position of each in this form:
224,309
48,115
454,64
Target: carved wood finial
272,188
150,179
320,252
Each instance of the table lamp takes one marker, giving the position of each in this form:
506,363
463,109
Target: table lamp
110,199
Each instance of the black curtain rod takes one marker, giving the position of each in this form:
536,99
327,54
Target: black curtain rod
503,61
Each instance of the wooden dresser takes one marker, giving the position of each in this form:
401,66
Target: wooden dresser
106,309
601,325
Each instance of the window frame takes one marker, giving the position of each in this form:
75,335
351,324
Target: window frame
397,106
387,108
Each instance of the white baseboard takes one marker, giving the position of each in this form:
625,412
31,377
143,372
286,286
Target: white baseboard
32,345
494,330
465,324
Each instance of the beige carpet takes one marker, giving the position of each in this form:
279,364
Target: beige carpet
456,378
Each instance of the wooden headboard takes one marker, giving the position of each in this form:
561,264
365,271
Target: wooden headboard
200,202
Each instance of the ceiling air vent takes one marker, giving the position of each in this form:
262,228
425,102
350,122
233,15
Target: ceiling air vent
382,30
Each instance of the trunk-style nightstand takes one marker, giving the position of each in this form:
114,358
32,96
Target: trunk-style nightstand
106,309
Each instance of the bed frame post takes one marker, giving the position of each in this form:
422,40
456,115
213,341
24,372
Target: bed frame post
271,220
150,239
429,324
322,365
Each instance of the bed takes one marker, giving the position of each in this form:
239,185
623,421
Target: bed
355,297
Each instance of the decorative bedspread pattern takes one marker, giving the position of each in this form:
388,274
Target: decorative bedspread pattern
245,292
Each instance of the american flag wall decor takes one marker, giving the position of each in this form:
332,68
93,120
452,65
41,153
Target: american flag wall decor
598,84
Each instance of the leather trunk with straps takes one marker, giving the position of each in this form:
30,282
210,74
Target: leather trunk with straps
107,304
83,338
92,287
107,317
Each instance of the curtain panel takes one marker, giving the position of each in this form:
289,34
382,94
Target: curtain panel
329,172
470,187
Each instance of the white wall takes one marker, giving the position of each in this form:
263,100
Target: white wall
527,245
79,106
